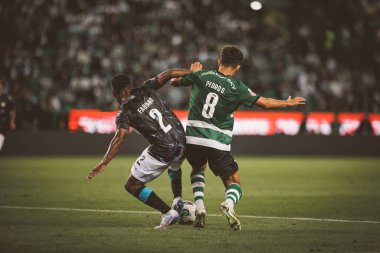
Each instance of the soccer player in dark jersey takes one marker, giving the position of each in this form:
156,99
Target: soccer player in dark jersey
215,96
7,114
143,110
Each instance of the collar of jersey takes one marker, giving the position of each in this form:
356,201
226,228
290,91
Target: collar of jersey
222,73
126,100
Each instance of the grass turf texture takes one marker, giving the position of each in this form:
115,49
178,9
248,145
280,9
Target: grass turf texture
336,188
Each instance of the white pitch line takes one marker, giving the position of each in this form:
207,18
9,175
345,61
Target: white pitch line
212,215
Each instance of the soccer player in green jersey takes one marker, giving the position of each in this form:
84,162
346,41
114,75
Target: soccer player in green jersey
216,95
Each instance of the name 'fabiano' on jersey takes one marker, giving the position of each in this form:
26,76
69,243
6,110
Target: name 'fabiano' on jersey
146,112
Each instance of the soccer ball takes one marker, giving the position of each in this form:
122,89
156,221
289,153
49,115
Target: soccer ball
188,213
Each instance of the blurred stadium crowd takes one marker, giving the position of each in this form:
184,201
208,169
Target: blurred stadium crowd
59,54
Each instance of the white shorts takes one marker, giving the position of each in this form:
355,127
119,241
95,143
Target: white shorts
147,168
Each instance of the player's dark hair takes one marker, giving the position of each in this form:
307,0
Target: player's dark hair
120,82
231,56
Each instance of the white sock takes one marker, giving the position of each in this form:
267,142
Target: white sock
199,204
198,185
230,203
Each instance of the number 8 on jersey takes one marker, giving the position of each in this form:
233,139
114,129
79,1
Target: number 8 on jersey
209,106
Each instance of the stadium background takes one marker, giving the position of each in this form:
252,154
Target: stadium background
60,55
57,57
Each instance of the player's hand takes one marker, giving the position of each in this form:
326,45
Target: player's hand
196,66
12,125
296,101
98,169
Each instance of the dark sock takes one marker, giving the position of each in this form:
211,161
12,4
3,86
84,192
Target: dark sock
176,181
146,195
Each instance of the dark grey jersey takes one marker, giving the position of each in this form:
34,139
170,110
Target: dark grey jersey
146,112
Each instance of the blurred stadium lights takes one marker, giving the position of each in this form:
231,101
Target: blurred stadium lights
256,5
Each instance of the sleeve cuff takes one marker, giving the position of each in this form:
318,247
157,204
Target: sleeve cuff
255,100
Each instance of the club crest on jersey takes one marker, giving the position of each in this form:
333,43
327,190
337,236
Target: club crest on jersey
3,104
145,105
251,92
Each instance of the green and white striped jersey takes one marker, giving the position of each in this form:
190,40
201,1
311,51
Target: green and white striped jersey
214,99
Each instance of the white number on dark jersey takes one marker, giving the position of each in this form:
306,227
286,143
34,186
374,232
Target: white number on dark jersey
156,113
209,106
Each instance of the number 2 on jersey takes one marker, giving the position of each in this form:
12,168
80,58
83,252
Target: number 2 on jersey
156,113
209,106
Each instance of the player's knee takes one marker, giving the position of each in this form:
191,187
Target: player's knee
130,187
195,170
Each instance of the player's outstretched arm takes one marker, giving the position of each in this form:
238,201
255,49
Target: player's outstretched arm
113,149
162,78
269,103
195,66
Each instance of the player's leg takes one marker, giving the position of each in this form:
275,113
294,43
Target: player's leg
233,194
138,189
197,157
1,140
223,165
145,169
198,185
233,189
176,182
175,175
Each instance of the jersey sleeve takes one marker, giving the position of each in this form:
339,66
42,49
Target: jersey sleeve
246,96
152,83
122,119
189,79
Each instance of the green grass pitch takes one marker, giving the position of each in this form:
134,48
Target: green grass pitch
327,188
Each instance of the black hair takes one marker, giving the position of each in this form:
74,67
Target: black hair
120,82
231,56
